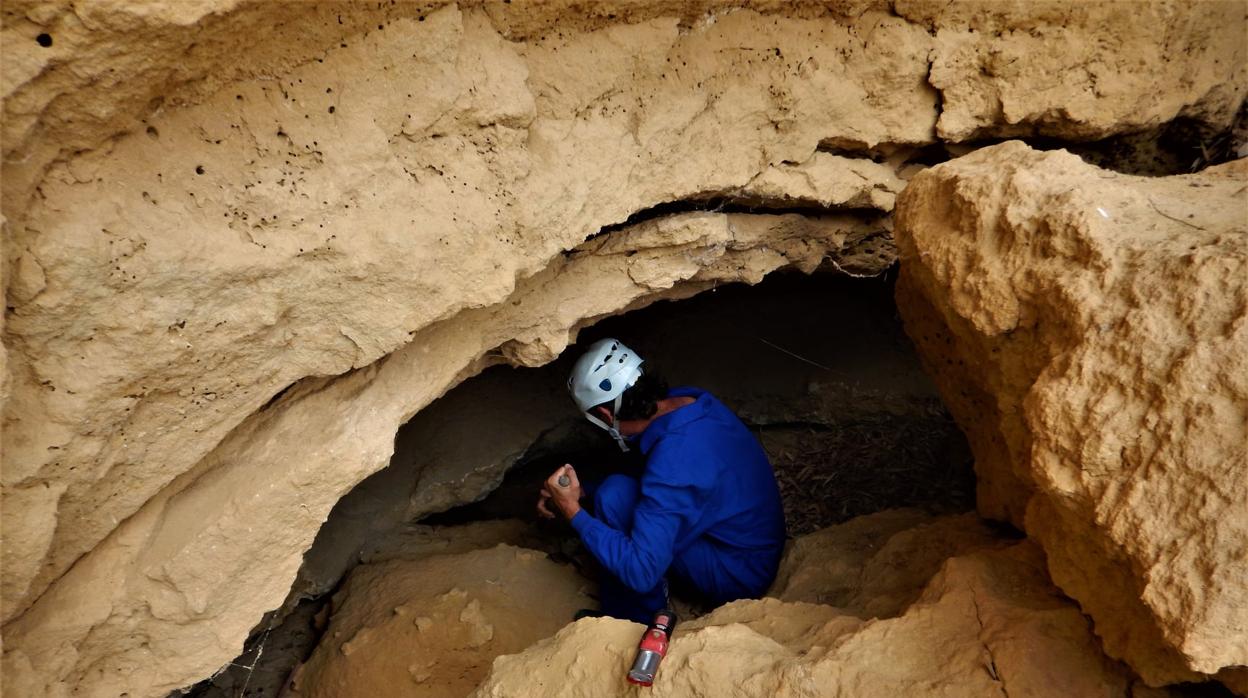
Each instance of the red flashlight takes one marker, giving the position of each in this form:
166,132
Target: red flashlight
652,649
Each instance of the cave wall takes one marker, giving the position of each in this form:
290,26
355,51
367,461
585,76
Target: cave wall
207,204
191,573
157,308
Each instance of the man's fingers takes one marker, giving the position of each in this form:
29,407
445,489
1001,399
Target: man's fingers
561,479
542,510
566,478
563,495
553,481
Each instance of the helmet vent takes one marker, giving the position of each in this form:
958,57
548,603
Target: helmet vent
605,384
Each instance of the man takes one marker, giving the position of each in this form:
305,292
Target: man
706,510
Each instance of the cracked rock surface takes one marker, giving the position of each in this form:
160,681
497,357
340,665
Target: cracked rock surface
1088,330
244,241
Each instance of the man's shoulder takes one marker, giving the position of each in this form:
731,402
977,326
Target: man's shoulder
681,457
708,400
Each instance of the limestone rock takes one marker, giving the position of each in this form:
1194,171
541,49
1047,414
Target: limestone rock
314,224
1082,70
441,459
432,626
418,541
1087,330
827,181
245,240
876,565
199,565
987,623
161,300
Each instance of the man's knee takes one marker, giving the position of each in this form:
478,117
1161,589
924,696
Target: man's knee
616,499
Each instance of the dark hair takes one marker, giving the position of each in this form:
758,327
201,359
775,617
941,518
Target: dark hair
641,400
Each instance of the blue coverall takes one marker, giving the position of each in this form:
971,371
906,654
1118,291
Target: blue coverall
707,509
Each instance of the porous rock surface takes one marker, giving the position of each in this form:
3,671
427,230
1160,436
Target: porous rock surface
433,625
171,559
239,252
156,308
979,618
1088,330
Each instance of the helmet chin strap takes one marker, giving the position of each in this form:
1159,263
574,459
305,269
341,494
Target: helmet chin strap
611,429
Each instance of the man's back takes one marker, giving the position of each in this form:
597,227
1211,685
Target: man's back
704,448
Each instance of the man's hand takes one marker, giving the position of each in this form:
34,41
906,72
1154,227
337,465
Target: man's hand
543,504
565,498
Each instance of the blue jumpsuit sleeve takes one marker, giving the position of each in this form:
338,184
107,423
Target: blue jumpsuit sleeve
639,559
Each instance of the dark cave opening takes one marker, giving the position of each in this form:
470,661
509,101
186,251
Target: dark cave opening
820,370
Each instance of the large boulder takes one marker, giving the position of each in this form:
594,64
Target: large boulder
1089,331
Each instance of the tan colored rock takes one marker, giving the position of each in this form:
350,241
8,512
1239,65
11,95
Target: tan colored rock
1088,330
825,567
876,565
436,575
1082,70
827,181
157,307
191,231
418,541
201,564
987,623
433,626
136,326
440,461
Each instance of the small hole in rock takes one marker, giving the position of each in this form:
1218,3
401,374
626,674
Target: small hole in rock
44,40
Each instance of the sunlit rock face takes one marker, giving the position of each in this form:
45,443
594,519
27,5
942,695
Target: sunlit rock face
247,240
1088,330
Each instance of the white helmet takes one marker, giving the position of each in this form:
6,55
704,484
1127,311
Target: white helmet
602,374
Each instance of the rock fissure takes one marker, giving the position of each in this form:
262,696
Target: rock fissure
736,205
991,666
